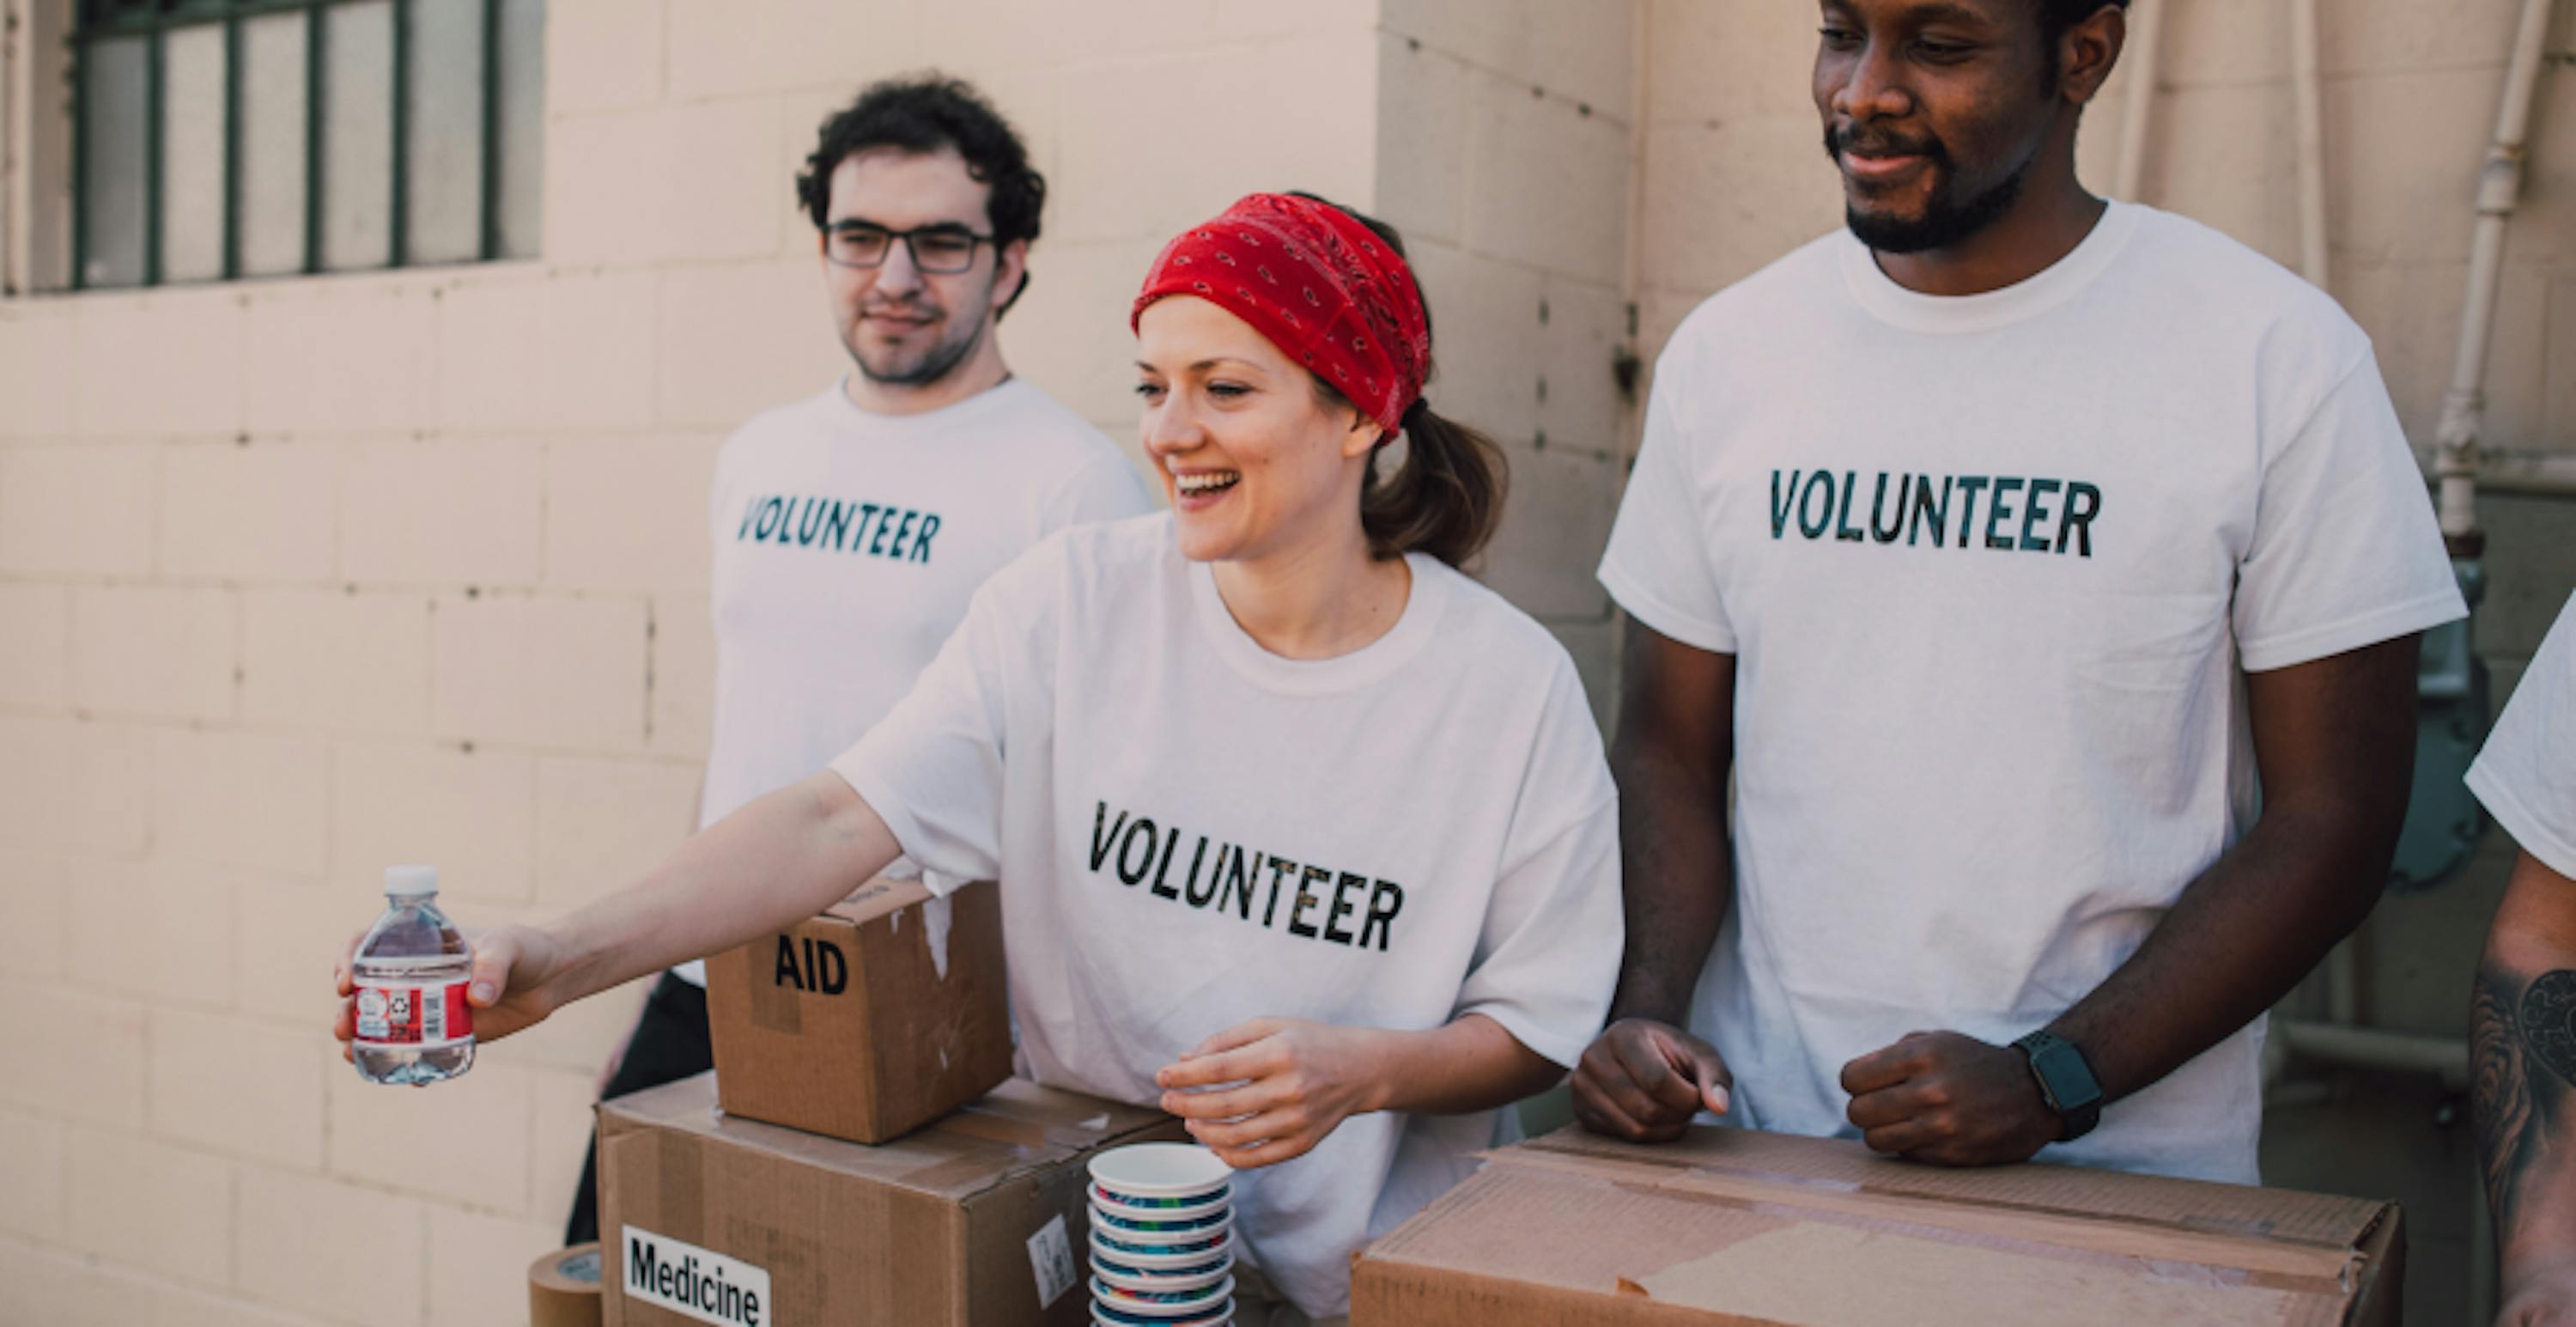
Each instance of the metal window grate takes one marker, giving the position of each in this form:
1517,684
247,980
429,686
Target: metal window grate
352,134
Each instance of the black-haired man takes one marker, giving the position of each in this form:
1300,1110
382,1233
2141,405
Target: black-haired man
1995,546
852,527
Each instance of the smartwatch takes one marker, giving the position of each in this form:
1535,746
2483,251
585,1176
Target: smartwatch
2066,1082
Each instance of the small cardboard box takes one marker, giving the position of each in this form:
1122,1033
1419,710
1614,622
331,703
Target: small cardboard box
870,1020
1731,1226
977,1221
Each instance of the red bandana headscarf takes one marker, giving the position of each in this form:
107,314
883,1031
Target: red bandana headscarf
1320,285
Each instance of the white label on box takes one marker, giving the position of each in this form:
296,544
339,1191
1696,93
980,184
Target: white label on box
700,1283
1051,1257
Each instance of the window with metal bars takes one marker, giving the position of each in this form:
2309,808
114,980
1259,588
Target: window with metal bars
217,139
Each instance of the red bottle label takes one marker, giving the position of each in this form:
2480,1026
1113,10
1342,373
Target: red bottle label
414,1016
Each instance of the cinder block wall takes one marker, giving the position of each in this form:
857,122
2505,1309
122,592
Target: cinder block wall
301,578
1505,136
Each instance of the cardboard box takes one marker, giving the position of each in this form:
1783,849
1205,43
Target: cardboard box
976,1221
873,1019
1730,1226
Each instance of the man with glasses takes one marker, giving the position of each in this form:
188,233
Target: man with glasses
852,527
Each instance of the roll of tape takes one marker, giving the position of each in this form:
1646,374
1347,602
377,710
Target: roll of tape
563,1288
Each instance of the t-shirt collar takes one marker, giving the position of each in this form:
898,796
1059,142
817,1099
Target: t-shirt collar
1314,677
846,412
2054,285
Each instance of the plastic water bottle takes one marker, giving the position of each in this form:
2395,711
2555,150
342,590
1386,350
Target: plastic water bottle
414,1025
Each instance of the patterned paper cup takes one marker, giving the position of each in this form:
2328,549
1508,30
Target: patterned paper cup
1128,1230
1160,1305
1162,1209
1157,1257
1220,1316
1196,1277
1177,1175
1163,1203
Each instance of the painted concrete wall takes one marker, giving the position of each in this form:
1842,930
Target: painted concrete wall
300,578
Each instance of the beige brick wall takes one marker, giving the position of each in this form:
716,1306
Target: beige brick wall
1505,142
299,578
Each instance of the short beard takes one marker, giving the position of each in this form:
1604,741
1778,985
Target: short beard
1943,223
942,360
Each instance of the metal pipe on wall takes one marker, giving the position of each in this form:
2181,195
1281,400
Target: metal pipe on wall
2446,1058
2137,108
2309,92
2499,185
14,79
2530,474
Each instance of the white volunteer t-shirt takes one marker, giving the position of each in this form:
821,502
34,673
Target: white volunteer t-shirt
1191,832
2526,775
846,547
1989,566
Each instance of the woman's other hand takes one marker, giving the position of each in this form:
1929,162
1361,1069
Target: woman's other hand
1269,1090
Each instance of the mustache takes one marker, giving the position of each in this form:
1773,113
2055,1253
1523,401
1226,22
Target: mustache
1840,139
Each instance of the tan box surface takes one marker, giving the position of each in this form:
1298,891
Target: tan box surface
1731,1226
869,1020
950,1226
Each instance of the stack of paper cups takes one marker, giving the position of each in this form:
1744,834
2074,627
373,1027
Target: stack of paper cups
1162,1237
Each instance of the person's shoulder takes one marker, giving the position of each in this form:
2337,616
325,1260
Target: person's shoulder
1756,304
2195,263
785,422
1049,434
1100,551
1480,625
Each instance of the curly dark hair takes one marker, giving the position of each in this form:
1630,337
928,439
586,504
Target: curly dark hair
926,113
2056,16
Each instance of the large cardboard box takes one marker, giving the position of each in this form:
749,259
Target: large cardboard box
870,1020
1730,1226
976,1221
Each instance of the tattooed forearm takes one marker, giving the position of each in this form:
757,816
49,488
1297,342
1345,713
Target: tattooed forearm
2500,1097
2522,1052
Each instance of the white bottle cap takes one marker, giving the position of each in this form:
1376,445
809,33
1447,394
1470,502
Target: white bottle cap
411,881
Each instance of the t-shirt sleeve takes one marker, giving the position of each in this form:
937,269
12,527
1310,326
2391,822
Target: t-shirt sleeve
1548,955
1104,489
2345,552
1658,565
933,767
2526,776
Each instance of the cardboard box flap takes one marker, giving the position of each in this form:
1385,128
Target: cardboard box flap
1016,1129
1821,1165
878,898
932,1161
1023,1114
1737,1227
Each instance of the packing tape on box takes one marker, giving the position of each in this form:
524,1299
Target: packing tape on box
563,1288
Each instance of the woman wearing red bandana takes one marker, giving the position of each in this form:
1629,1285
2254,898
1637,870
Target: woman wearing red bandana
1301,834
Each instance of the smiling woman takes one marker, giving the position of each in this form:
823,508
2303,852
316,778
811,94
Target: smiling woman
1280,347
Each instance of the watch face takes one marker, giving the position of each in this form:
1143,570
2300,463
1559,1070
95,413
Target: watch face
2068,1080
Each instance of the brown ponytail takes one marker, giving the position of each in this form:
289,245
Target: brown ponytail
1445,500
1447,497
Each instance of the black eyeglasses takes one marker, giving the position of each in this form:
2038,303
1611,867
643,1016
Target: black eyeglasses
942,250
